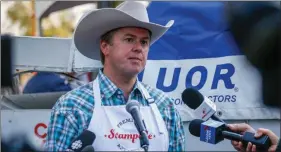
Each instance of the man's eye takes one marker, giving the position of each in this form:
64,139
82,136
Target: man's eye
129,39
144,42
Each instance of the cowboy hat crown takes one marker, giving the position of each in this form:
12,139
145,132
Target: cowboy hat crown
97,22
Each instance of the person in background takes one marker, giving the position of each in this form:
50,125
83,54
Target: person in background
243,127
43,82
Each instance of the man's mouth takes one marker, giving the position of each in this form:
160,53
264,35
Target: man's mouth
135,58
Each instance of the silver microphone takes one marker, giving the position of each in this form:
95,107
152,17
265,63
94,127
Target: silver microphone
133,108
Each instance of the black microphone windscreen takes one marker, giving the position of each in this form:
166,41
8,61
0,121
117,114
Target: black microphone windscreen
192,98
194,127
86,138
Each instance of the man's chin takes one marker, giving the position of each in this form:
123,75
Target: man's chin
134,71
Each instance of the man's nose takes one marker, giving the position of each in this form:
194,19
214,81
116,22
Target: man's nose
138,47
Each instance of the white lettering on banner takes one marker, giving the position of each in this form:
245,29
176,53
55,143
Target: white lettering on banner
216,78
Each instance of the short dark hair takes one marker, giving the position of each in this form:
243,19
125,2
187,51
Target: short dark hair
107,37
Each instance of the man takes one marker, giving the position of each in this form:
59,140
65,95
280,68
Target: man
120,38
243,127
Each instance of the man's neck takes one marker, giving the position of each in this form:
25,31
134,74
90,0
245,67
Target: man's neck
125,83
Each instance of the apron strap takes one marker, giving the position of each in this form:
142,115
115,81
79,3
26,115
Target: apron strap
97,98
97,94
156,112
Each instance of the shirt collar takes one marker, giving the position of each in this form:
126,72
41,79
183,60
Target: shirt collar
108,88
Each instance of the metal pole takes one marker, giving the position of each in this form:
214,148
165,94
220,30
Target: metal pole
33,18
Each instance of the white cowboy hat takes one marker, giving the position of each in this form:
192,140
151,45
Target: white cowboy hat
97,22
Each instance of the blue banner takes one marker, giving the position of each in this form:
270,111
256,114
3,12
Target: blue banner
200,31
199,52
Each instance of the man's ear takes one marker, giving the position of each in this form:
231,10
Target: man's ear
104,47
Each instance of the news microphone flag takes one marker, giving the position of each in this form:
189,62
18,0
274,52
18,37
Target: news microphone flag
203,107
206,110
210,131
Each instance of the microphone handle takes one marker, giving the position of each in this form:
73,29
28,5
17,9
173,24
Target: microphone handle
263,143
144,141
140,125
232,136
88,148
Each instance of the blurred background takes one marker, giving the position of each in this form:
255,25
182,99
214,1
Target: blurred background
46,19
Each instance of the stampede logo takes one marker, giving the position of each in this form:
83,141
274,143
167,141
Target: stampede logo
113,134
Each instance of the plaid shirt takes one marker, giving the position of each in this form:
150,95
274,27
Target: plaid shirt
73,111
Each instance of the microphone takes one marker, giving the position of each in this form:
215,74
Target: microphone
88,148
133,108
214,132
204,107
84,140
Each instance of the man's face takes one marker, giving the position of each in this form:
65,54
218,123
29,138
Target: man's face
128,51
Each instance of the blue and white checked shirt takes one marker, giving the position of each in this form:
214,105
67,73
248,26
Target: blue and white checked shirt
72,113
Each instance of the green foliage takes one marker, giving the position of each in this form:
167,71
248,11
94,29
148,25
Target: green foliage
21,14
64,30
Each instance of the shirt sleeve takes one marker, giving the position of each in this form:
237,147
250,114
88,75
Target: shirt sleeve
64,126
177,134
61,131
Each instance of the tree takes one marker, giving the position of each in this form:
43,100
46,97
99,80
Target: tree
65,29
20,13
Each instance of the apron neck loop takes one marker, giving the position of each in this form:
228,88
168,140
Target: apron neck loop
152,104
145,94
97,92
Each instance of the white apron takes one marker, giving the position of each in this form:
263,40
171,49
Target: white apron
115,130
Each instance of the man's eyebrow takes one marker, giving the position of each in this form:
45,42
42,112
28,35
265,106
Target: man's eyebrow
146,37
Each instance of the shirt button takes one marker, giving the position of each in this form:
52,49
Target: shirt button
119,92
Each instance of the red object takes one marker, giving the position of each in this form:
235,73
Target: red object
37,128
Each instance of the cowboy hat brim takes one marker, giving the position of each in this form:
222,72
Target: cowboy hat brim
96,23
